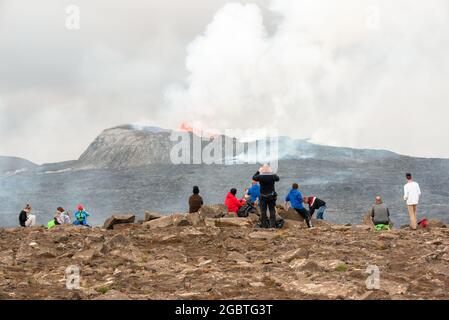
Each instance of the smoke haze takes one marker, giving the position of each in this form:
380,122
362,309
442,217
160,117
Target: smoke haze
348,73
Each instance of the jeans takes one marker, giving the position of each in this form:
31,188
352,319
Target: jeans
306,215
81,223
320,213
264,203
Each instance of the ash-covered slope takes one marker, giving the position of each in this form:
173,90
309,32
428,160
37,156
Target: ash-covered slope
13,165
129,146
124,146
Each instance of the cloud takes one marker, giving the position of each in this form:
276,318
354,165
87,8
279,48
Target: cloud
306,68
352,73
111,71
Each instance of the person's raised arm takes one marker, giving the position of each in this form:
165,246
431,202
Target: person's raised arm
256,176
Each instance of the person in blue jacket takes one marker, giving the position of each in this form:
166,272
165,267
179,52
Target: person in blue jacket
81,217
296,200
254,192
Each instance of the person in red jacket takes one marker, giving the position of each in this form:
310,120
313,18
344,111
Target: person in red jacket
232,203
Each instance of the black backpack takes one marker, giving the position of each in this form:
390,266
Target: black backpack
245,210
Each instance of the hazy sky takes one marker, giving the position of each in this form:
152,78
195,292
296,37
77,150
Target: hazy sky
359,73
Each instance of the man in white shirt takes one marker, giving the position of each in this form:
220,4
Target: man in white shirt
412,192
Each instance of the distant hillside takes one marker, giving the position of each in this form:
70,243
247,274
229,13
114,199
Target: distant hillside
13,165
129,146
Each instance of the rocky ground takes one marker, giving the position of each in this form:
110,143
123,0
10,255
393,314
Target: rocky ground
198,256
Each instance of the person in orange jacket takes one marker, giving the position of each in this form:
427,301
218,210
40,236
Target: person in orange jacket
232,203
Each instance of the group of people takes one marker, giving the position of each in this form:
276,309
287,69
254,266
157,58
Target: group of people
263,193
380,213
61,217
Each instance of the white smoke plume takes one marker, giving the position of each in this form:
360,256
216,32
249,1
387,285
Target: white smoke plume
354,73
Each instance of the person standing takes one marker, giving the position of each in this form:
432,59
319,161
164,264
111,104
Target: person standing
296,200
268,195
412,193
195,200
26,219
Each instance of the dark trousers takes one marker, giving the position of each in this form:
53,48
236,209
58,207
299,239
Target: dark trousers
265,204
306,215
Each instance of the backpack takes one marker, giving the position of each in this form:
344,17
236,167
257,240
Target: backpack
245,210
51,224
423,223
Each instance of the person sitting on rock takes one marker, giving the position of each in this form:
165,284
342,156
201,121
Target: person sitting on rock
26,219
61,216
253,192
380,215
296,200
195,200
81,217
232,203
316,204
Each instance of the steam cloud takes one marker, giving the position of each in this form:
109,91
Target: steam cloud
366,73
353,73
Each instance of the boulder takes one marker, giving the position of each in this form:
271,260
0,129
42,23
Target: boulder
289,214
152,216
123,226
168,221
119,219
233,222
213,211
436,224
118,241
195,219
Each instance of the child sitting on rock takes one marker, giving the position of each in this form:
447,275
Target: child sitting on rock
81,217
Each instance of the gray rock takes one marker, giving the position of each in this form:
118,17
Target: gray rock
152,216
119,219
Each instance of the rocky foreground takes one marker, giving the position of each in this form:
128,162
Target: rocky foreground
202,256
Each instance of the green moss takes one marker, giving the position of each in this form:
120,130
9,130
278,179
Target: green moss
342,267
102,290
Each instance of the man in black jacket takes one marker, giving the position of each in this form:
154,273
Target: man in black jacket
268,196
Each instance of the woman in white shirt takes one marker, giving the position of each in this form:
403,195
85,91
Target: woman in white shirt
412,193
